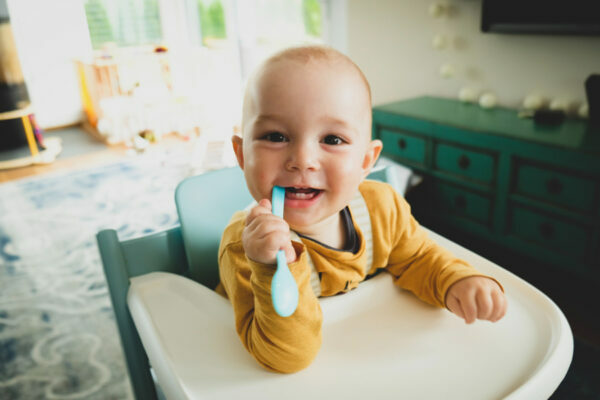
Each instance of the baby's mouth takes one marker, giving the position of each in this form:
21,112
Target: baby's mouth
294,193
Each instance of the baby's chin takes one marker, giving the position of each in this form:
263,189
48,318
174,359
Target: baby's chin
308,225
303,226
299,226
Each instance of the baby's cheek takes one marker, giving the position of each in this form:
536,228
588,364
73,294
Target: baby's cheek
350,174
349,165
258,180
344,184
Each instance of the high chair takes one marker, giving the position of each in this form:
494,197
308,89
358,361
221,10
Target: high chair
379,341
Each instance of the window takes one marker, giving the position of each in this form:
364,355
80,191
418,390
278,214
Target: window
292,20
212,45
124,22
254,23
211,15
266,26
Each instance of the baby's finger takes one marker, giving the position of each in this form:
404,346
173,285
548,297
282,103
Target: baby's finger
263,207
290,252
485,305
500,305
265,224
469,307
271,243
454,305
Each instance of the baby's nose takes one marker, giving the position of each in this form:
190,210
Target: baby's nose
302,157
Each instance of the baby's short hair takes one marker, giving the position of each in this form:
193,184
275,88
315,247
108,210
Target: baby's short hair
305,54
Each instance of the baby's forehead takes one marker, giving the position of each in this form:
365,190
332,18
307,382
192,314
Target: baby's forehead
281,66
288,75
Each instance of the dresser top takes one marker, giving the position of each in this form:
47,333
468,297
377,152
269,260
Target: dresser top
572,134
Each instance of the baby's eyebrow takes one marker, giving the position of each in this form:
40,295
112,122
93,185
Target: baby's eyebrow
268,117
334,120
340,122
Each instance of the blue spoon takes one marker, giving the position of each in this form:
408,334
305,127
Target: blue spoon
284,291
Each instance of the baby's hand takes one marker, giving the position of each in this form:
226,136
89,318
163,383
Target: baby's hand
476,297
265,234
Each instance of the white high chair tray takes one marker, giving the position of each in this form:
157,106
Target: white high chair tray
379,342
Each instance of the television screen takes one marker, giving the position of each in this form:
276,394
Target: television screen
566,17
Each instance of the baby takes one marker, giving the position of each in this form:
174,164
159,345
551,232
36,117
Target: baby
306,126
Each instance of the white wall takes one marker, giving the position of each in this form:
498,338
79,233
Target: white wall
50,36
391,41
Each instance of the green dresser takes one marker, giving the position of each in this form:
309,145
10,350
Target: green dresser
532,188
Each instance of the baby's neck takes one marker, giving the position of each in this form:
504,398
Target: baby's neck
330,231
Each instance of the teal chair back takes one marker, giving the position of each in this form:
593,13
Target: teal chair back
205,203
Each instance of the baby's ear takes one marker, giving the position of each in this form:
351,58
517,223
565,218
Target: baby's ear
371,155
237,143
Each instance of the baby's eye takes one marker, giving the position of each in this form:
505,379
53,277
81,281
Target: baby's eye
333,140
274,137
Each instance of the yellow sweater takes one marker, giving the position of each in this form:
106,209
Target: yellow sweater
397,244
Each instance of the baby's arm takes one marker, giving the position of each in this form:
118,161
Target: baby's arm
476,297
437,276
246,269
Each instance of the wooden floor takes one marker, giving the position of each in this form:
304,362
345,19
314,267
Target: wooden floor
102,154
71,163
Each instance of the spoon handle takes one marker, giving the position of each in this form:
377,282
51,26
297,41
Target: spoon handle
284,290
278,201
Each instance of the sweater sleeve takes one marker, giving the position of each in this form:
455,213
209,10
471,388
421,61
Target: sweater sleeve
417,262
281,344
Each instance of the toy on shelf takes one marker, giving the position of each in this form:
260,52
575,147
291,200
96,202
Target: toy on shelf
125,93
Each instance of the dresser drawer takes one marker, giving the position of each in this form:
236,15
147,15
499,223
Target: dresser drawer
460,202
556,187
404,146
557,235
468,163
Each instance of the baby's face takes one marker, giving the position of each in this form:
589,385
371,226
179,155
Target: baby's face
308,129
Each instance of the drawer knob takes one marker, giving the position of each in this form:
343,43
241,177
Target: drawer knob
553,186
460,201
402,144
464,162
546,230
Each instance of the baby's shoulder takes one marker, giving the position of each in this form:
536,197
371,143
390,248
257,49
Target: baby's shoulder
378,192
234,229
384,203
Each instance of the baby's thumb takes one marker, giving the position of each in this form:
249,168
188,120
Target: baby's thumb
266,203
290,253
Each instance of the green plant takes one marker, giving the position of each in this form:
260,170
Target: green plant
212,19
311,10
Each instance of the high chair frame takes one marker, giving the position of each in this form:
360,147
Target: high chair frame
190,251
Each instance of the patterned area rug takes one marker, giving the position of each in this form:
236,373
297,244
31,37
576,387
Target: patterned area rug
58,337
